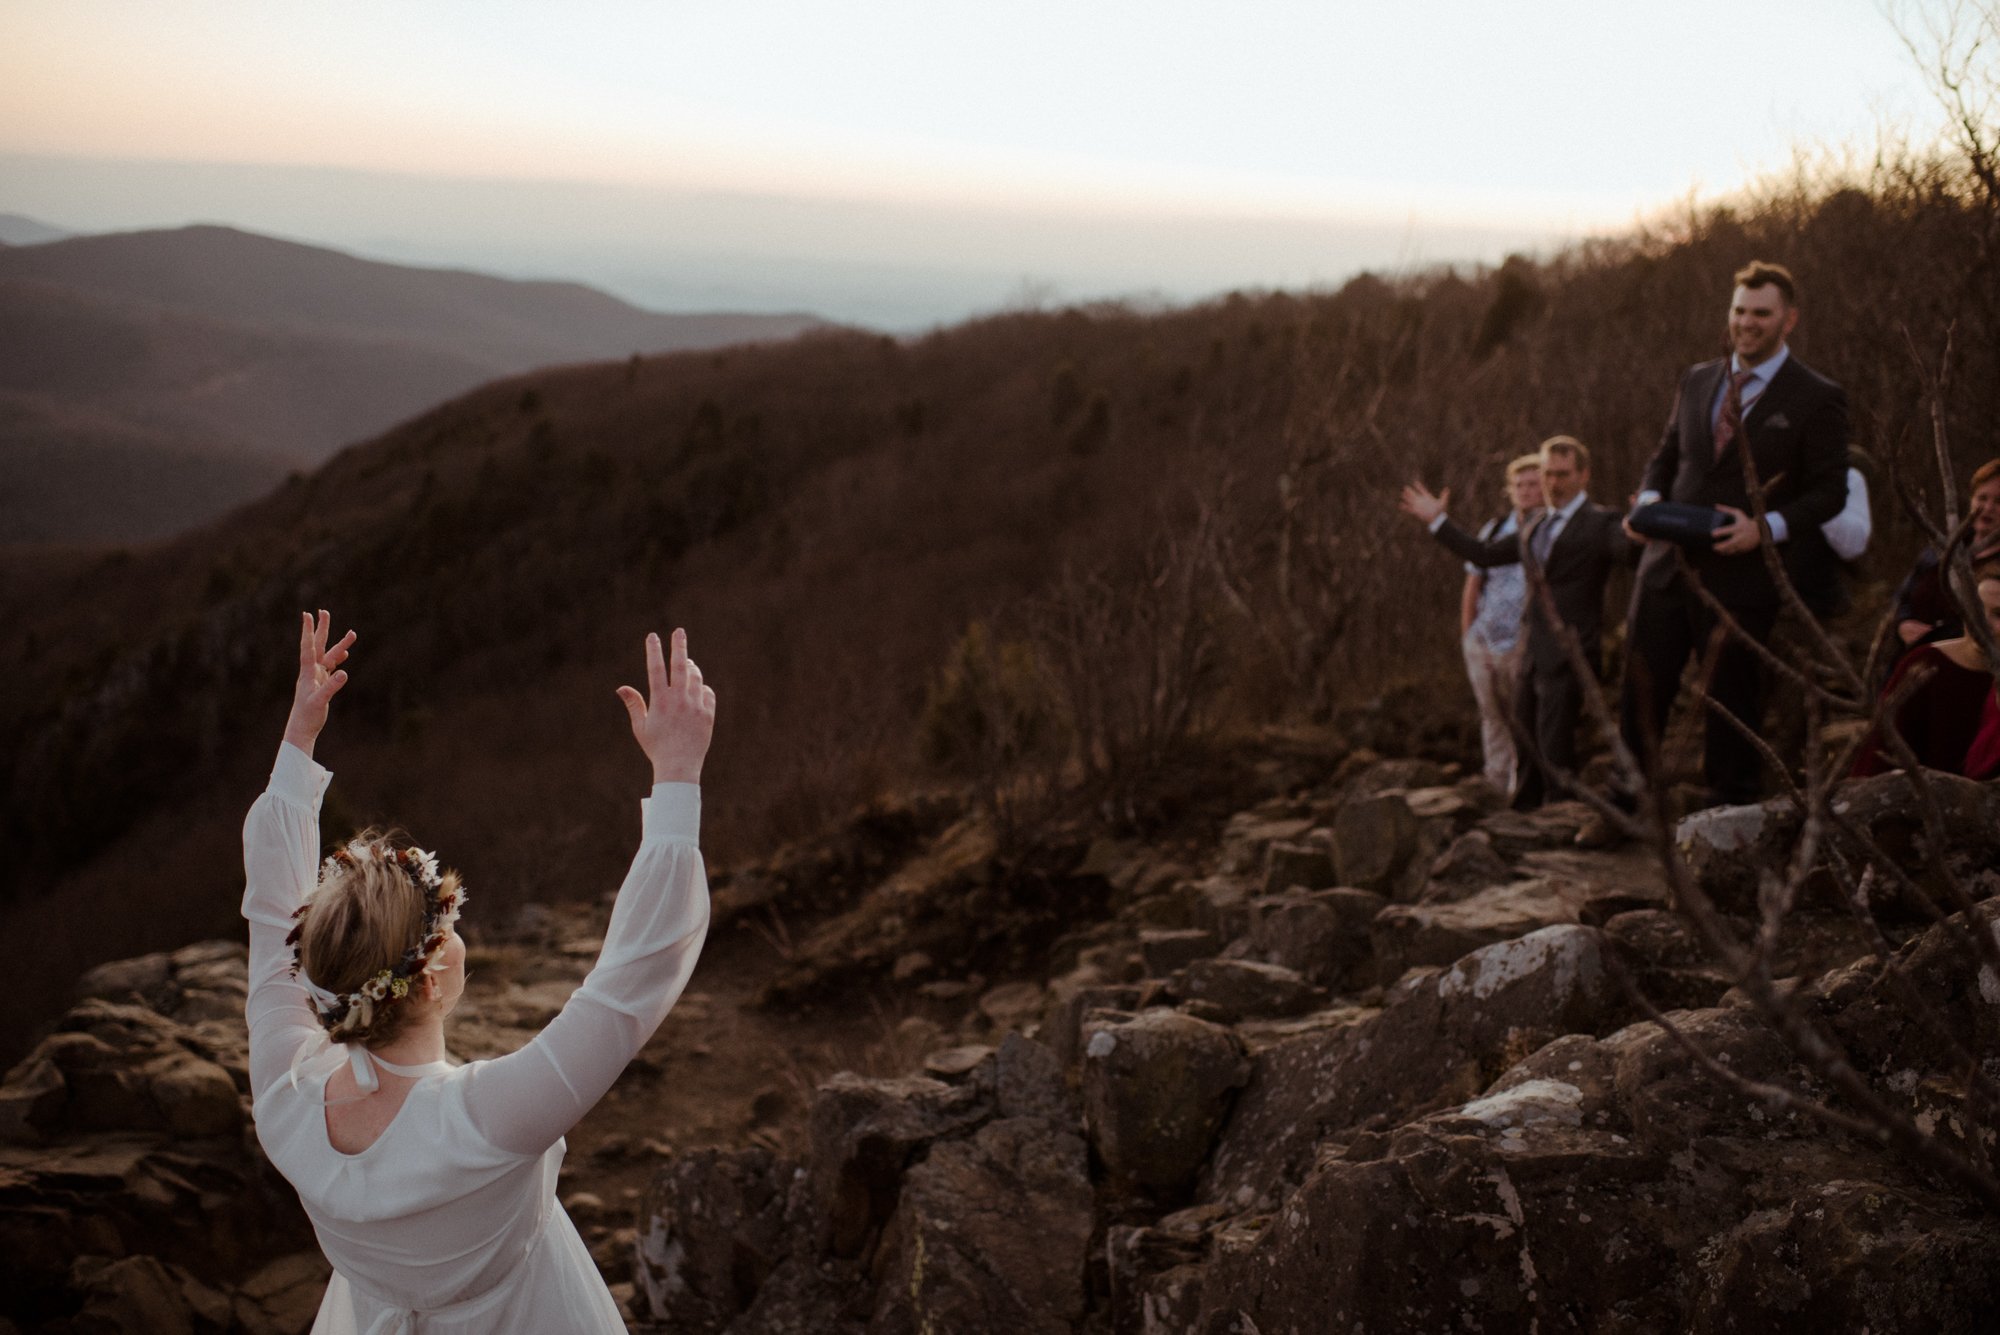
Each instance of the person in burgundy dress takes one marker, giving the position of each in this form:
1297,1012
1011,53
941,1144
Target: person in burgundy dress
1949,716
1924,609
1982,761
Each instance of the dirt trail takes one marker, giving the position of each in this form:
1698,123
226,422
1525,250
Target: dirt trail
720,1071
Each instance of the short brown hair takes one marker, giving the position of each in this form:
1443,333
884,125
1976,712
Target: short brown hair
1763,273
1521,464
1984,474
1569,445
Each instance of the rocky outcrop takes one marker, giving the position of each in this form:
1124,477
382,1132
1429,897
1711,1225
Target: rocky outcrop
991,1234
1729,849
714,1221
1407,936
117,1130
1608,1184
925,1205
1363,1056
865,1133
1272,1099
1439,1038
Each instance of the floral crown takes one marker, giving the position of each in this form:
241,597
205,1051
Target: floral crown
343,1013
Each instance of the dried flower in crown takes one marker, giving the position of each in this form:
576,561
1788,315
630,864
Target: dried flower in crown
342,1012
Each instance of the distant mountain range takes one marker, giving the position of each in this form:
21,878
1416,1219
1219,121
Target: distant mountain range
151,380
16,230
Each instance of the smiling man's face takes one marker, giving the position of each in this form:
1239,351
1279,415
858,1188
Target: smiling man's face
1760,320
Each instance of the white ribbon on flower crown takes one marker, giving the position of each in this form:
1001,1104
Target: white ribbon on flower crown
323,1000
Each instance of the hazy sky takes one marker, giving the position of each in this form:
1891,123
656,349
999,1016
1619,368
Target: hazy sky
908,162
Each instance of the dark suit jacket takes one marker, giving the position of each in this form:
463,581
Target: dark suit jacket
1798,436
1579,564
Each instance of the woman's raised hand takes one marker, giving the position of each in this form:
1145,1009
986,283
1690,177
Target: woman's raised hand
673,727
320,679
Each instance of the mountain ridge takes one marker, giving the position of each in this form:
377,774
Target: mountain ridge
18,229
209,342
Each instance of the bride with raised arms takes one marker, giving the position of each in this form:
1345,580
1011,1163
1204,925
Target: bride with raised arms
432,1185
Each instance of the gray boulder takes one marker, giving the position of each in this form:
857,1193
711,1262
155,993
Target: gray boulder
1408,936
1729,849
1323,935
1063,1023
864,1134
1373,840
1166,950
1666,959
1441,1037
144,978
711,1224
1155,1091
1611,1184
1247,989
1028,1081
1300,866
1469,864
991,1235
1248,834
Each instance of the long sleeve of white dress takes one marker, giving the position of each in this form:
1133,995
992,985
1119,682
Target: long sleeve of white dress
522,1103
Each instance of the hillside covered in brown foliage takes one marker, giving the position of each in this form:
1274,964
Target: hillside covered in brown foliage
1174,522
152,380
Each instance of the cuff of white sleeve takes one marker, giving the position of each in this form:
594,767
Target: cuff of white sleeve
297,777
673,812
1780,530
1646,498
1437,523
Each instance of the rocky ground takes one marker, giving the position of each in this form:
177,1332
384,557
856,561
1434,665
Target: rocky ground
1344,1049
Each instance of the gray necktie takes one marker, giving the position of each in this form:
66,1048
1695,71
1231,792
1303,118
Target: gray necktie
1543,538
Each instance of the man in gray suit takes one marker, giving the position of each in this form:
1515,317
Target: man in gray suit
1577,544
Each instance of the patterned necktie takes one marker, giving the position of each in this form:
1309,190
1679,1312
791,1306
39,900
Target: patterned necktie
1730,423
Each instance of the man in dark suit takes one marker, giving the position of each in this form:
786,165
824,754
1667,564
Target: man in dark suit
1794,423
1576,544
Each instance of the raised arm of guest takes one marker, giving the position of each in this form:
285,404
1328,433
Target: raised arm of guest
1418,502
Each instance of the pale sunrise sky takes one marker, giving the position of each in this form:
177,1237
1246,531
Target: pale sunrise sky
901,163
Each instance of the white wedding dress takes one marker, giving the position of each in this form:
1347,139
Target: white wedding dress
449,1221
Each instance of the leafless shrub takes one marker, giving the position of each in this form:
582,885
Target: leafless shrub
993,718
1135,661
